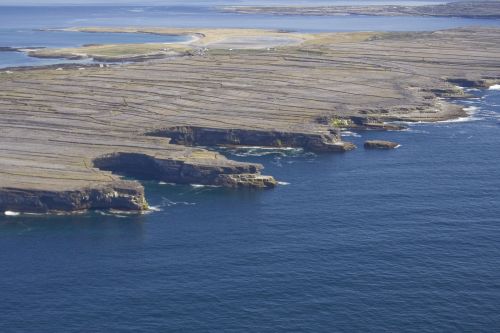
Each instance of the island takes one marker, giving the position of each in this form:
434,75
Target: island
70,133
466,9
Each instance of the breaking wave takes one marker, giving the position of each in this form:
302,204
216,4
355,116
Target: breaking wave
263,151
349,133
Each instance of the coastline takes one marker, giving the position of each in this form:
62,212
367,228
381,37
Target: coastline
145,118
463,9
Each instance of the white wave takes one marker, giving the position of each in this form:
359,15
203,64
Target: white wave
413,130
264,148
113,212
166,202
245,151
349,133
166,183
11,213
119,214
203,186
494,87
461,120
136,10
283,183
257,154
397,146
155,208
469,118
471,109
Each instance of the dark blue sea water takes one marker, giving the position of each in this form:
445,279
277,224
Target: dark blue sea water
381,241
367,241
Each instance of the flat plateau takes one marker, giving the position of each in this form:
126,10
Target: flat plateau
69,133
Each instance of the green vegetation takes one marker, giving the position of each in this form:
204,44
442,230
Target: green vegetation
339,122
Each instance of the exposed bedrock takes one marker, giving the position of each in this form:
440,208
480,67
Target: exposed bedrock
120,195
59,122
217,171
192,135
380,144
474,83
361,123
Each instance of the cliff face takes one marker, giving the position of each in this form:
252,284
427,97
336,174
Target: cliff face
219,171
68,133
192,135
212,169
120,195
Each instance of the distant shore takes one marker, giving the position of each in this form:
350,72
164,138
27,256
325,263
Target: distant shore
465,9
197,41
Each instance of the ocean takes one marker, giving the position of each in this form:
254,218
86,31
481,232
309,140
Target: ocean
404,240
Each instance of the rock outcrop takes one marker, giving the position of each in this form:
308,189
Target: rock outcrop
68,134
217,171
120,195
202,136
380,144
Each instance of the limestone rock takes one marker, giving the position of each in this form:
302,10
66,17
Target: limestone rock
120,195
380,144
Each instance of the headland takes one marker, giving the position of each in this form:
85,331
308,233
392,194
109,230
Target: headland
70,133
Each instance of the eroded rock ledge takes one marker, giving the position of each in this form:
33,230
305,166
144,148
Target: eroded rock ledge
120,195
202,136
218,172
68,133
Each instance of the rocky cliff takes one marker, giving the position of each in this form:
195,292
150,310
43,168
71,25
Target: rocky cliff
120,195
70,133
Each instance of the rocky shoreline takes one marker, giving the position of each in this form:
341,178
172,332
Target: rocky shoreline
121,195
69,133
202,136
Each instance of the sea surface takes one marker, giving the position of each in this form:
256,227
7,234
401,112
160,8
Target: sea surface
406,240
38,38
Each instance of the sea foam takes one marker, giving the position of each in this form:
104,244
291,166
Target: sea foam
155,208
